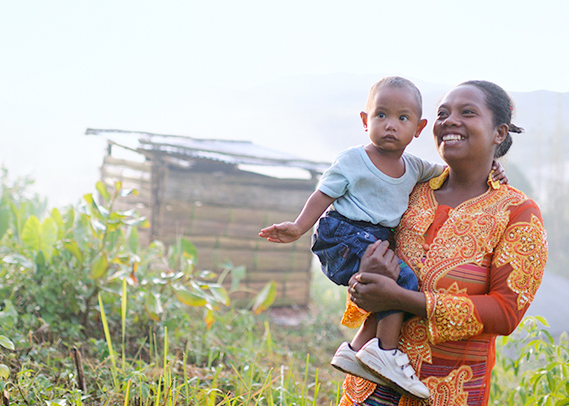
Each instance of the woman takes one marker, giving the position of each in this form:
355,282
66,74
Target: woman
478,248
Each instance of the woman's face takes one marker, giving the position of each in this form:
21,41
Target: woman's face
464,128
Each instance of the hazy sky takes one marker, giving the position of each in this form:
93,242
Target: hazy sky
68,65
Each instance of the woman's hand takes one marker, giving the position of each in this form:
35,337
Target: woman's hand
379,259
373,292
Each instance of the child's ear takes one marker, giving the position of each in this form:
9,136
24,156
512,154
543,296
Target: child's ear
420,127
363,116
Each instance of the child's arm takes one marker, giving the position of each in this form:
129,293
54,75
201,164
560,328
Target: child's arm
288,231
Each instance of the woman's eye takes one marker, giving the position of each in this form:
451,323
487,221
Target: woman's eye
442,114
467,112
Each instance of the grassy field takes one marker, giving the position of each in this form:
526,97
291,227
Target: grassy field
90,317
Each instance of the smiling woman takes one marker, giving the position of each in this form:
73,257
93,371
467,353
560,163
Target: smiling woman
478,249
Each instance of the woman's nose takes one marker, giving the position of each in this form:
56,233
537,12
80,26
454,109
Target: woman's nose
451,120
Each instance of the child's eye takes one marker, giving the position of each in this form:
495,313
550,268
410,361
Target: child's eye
381,115
403,118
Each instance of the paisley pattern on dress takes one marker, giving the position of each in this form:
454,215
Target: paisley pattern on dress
524,247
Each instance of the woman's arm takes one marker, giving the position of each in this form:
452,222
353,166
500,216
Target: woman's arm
518,262
516,270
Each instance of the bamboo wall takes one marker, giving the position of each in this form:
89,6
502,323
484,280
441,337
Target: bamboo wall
221,213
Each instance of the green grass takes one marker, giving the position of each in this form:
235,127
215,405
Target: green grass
242,359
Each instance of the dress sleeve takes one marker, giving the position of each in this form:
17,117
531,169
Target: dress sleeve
516,270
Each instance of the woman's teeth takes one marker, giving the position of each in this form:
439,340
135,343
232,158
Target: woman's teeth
452,137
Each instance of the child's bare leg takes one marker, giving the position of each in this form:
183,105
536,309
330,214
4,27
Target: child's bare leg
388,330
366,332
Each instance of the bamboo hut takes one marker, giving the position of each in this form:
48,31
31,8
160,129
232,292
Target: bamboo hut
206,191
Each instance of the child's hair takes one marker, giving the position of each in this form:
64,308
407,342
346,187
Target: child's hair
502,107
395,81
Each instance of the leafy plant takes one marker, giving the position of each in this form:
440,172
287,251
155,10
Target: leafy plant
531,368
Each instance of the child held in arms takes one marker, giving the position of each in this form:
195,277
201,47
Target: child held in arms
368,188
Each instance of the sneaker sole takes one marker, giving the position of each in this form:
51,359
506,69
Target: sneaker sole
343,366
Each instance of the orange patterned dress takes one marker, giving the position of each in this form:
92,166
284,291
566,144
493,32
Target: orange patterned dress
479,265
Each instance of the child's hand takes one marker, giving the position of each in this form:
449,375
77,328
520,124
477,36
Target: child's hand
283,232
499,174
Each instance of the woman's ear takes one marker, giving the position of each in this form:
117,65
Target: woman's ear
501,133
363,116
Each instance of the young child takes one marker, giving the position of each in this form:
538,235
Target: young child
369,187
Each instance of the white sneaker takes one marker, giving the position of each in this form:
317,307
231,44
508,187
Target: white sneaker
392,365
345,360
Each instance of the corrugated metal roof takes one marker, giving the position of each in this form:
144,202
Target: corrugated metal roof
228,151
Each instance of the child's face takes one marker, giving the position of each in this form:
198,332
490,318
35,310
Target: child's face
393,119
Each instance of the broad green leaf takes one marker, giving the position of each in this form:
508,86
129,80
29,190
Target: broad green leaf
118,186
6,343
56,216
219,293
48,236
563,402
72,247
95,210
4,220
18,259
31,233
99,266
40,237
188,248
4,371
153,306
265,298
133,240
185,296
103,191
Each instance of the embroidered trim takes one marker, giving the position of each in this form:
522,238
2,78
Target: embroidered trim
494,184
357,389
413,341
471,232
524,247
437,182
353,316
453,317
445,391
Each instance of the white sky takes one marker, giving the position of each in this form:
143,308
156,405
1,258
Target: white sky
68,65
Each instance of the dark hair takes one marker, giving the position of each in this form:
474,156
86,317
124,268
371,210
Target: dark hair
396,81
502,108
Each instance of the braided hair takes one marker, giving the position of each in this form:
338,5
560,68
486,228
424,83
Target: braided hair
502,108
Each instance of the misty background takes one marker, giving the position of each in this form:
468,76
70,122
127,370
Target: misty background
291,75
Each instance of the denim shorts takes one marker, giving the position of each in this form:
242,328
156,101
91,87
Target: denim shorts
340,244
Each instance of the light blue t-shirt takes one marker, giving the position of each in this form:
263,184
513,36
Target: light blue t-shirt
363,192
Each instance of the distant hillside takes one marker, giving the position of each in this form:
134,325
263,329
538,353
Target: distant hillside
311,116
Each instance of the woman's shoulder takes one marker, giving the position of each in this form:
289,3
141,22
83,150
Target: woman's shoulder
518,202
